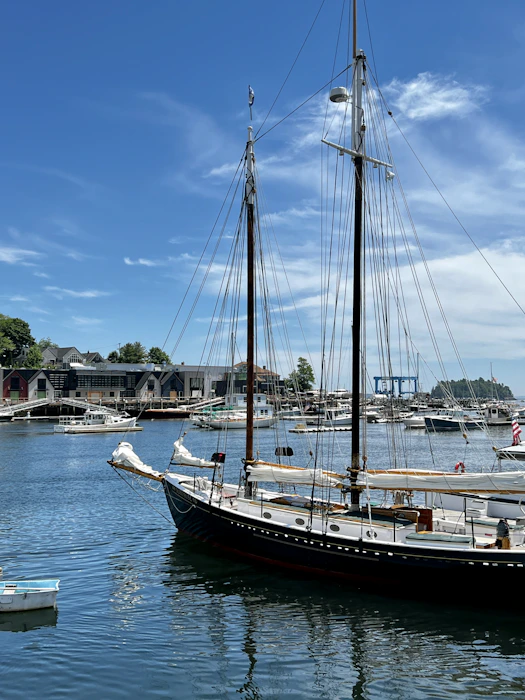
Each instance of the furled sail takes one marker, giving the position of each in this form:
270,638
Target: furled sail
404,480
181,455
264,471
125,457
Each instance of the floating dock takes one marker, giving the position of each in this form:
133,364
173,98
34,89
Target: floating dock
321,429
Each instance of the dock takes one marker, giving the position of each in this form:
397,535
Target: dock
322,429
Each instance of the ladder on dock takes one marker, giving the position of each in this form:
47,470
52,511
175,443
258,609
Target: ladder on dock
26,406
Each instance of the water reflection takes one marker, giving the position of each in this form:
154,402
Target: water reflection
28,620
351,642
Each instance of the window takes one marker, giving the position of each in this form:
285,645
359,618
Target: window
15,383
334,528
74,357
77,394
267,515
299,521
112,393
41,384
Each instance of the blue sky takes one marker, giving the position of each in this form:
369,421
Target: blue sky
120,122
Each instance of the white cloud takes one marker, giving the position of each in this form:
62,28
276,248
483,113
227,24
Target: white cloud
430,96
85,321
42,274
59,292
18,298
144,261
17,255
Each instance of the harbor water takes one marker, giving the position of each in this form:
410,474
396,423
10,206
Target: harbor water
144,611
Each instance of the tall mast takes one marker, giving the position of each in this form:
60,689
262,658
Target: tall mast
340,94
358,134
250,261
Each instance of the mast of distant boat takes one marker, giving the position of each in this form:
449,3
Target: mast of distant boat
250,262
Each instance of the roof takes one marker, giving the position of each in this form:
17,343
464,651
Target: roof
256,368
60,352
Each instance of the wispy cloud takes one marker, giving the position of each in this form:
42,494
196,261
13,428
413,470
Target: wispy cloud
144,261
84,321
164,262
42,274
60,292
430,96
18,298
17,255
88,188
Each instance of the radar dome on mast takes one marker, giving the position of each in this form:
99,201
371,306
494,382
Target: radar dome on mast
339,94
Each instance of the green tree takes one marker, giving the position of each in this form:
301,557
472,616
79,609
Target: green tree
44,343
302,378
18,332
113,356
34,357
158,356
133,353
7,348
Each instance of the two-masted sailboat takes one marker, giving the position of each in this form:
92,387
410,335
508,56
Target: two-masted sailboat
343,518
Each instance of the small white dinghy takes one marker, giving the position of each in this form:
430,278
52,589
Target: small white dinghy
28,595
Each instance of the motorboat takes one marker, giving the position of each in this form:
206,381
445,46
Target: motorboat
97,421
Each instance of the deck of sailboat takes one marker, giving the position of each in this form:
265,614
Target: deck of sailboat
417,526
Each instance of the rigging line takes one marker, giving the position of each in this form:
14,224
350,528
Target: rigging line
301,105
170,521
291,69
335,55
205,248
445,200
370,37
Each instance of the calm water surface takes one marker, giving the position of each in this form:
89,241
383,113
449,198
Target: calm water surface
144,611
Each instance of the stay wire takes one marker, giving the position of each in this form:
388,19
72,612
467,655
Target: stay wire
300,106
391,115
291,69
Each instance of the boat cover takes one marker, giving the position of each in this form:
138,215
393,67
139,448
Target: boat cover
181,455
498,482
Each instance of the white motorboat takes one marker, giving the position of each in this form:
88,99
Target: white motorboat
16,596
96,421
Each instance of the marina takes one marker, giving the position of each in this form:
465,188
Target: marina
251,277
133,588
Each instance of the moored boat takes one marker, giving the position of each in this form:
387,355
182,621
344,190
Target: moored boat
17,596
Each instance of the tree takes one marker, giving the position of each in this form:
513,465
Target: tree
302,378
158,356
34,357
44,343
113,356
18,332
6,348
133,353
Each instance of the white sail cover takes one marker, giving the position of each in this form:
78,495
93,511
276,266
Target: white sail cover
283,475
125,455
181,455
499,482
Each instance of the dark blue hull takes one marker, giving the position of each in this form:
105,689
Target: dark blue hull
426,571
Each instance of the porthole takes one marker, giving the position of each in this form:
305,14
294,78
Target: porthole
334,528
267,516
299,521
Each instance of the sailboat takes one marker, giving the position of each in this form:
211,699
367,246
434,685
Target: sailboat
324,518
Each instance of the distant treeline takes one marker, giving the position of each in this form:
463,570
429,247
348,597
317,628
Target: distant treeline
481,388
